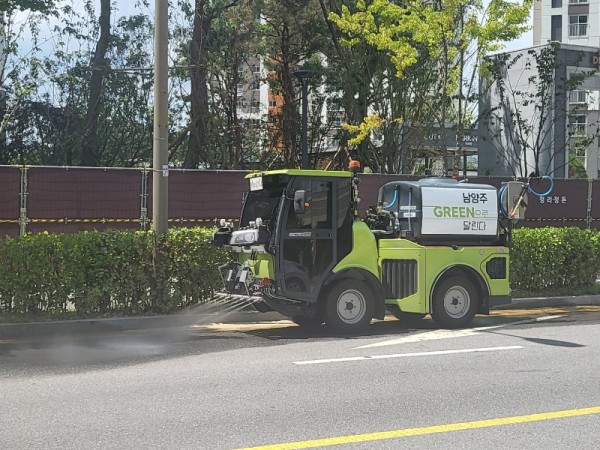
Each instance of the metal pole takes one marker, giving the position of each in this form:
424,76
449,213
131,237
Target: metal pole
23,194
144,201
160,180
304,123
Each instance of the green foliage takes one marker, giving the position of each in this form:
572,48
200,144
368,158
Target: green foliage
553,258
576,168
49,91
450,36
108,272
128,273
26,5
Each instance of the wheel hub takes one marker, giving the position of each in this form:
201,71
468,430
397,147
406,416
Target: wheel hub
351,306
457,302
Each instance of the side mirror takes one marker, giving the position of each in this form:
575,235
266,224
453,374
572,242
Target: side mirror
299,200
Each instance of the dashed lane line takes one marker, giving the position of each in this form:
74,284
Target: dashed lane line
409,355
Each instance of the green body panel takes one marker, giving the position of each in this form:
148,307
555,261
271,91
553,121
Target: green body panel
408,250
433,261
262,266
364,251
302,173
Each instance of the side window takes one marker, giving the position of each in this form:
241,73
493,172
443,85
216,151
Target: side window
321,205
344,192
317,214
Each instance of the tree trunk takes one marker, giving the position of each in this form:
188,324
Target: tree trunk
199,86
289,109
90,154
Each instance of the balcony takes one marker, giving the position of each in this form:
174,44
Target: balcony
578,30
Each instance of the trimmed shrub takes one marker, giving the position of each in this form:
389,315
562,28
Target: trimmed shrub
125,272
108,272
548,258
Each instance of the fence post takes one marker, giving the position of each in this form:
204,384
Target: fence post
588,218
144,221
23,193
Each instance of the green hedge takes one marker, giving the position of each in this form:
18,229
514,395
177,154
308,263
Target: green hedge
125,273
108,272
544,259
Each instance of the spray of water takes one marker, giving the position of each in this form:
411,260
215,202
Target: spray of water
109,342
214,311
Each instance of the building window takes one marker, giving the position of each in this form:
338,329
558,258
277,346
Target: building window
578,26
272,103
556,29
577,97
256,85
577,124
557,3
575,2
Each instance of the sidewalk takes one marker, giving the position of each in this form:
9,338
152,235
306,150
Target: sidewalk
92,326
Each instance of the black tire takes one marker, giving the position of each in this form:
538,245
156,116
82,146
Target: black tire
406,318
454,302
295,285
349,306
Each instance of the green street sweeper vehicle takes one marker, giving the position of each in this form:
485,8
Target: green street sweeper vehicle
434,246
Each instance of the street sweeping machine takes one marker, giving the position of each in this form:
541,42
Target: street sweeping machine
434,246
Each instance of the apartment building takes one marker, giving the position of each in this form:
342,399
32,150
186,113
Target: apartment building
570,131
574,22
566,133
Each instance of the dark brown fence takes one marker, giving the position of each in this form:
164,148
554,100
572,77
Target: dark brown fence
62,200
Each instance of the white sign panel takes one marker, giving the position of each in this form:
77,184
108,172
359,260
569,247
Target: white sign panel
256,183
455,211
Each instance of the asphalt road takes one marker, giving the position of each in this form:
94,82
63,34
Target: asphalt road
518,379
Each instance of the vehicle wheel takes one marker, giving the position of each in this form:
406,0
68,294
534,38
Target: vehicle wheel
406,318
295,285
349,306
454,302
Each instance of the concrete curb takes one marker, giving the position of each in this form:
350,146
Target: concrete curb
549,302
96,326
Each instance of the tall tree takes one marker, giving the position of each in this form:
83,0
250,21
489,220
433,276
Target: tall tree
454,35
65,111
99,67
288,31
205,12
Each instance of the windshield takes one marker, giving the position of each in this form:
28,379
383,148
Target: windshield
260,204
263,203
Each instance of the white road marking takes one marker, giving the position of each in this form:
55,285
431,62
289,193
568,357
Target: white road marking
408,355
447,334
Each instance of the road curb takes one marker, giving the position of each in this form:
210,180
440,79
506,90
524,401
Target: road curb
549,302
96,326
